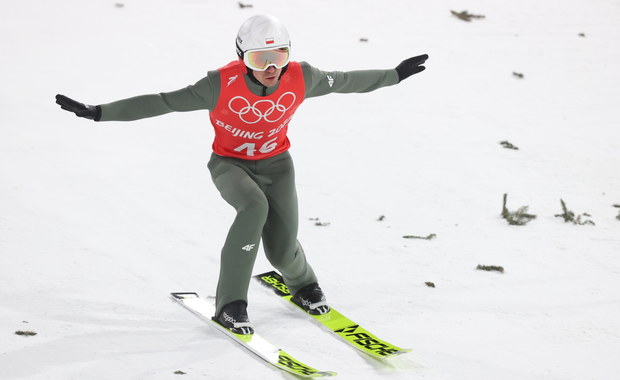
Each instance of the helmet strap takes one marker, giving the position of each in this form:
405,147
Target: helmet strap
283,71
250,73
244,68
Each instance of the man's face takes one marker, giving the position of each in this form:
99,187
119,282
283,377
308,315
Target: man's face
269,77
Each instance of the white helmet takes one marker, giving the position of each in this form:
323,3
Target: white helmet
261,32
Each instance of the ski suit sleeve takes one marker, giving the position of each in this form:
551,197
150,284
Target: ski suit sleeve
201,95
319,82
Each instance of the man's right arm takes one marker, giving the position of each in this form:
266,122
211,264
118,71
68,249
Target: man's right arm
202,95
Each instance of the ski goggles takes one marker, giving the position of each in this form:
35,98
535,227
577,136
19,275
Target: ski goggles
261,60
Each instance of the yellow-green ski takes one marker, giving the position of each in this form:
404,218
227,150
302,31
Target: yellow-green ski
341,326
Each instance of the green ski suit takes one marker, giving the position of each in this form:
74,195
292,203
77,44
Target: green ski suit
261,191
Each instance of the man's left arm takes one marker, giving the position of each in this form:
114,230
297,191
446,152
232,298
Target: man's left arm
319,82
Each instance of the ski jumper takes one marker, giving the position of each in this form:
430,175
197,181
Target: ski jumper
251,166
254,173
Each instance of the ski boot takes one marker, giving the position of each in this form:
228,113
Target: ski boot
234,317
311,299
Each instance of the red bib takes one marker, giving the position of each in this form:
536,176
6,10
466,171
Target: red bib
254,127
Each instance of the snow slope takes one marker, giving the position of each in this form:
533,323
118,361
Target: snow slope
99,222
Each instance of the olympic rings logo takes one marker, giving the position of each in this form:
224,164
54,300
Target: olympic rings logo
262,109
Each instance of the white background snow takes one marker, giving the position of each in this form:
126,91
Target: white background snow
99,222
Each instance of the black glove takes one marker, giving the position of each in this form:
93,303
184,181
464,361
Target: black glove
80,109
411,66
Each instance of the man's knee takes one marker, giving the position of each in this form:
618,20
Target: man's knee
254,205
285,256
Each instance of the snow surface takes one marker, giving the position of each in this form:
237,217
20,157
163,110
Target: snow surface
99,222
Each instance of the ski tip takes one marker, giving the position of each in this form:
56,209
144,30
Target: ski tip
183,295
401,351
323,374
